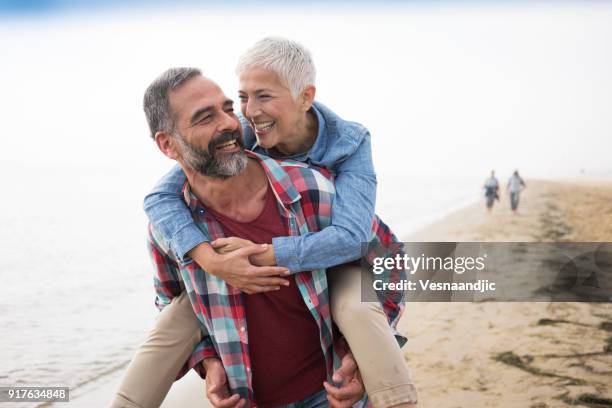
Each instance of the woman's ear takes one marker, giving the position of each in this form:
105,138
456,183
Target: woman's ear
307,97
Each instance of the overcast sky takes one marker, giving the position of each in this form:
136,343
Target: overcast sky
447,88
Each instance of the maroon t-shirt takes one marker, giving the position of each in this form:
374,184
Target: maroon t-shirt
286,357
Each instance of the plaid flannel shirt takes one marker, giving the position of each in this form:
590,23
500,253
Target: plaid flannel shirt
304,198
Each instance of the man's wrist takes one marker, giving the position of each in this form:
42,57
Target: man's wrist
207,362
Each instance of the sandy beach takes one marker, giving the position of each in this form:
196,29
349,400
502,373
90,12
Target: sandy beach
535,355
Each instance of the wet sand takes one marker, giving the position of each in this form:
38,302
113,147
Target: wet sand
533,355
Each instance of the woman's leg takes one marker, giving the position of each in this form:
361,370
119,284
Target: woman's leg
153,369
366,329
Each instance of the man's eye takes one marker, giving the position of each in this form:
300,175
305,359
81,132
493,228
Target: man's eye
264,96
243,98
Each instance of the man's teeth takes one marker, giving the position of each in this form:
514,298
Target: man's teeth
263,126
226,144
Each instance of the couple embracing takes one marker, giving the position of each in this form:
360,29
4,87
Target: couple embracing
256,237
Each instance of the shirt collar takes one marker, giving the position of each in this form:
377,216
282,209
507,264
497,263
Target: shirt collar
190,199
321,143
281,183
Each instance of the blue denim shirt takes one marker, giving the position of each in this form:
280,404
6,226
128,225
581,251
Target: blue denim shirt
343,147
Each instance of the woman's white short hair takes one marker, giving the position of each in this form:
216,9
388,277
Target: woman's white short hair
289,60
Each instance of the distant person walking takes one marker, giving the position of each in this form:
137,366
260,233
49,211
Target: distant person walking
514,187
491,187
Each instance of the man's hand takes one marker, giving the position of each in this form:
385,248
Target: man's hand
217,390
350,389
236,269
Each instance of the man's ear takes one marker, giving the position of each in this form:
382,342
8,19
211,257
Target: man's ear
167,144
307,97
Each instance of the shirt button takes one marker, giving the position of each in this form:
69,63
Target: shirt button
242,329
249,369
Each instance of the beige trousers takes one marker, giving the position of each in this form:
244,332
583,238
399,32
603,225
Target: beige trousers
365,327
157,361
384,372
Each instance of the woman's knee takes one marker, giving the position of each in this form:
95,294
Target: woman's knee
352,312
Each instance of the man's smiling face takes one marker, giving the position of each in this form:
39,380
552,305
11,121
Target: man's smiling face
206,128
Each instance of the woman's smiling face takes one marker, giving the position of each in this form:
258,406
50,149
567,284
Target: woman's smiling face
269,107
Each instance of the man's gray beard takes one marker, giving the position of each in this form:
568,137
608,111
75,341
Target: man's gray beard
211,165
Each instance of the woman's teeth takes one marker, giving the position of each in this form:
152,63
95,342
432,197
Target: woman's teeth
263,126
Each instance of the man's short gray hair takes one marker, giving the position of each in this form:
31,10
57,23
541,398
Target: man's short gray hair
156,101
289,60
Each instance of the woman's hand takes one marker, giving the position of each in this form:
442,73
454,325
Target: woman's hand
230,244
227,245
239,269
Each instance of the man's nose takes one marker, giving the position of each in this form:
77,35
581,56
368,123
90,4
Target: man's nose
228,122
